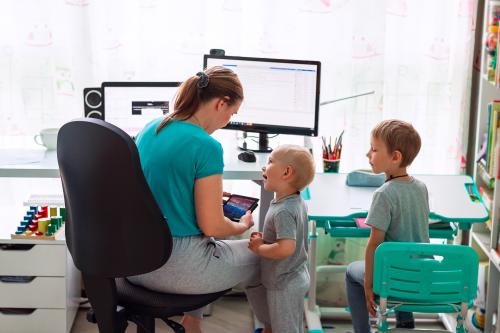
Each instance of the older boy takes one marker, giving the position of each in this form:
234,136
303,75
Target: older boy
399,213
283,244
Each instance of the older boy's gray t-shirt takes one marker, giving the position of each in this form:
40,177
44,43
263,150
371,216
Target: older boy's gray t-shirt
401,209
285,219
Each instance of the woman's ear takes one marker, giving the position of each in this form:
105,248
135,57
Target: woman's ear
222,102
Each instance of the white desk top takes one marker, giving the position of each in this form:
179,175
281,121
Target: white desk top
44,163
331,198
35,162
48,168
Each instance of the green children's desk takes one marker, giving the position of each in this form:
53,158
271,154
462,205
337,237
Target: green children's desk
332,206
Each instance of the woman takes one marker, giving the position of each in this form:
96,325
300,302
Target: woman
183,165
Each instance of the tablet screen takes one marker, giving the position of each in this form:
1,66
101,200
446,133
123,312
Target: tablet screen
237,206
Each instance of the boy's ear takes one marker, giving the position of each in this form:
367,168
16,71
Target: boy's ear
288,172
397,156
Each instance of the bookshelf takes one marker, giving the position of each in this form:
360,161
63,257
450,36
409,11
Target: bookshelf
484,236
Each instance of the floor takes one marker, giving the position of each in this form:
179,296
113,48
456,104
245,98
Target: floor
229,314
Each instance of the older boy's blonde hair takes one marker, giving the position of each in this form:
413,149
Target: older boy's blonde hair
301,161
399,135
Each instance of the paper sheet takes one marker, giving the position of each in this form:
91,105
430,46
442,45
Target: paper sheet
20,156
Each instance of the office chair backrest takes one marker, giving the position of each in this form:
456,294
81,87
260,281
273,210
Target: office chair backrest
417,272
114,228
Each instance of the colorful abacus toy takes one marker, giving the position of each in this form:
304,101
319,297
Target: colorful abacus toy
41,222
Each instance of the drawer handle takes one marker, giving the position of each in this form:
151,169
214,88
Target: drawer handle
16,279
16,247
15,311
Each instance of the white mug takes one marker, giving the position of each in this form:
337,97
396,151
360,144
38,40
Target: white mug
47,138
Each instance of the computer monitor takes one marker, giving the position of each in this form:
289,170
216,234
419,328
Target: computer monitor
131,105
281,97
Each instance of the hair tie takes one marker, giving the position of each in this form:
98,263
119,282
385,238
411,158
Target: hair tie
203,80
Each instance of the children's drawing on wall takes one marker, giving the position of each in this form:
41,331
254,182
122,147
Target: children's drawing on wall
397,8
111,40
64,82
362,47
439,49
322,6
40,35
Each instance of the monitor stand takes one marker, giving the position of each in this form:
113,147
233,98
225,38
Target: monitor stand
262,144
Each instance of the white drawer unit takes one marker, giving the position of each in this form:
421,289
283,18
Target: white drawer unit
33,259
33,320
39,287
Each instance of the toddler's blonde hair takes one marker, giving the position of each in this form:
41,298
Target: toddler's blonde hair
301,161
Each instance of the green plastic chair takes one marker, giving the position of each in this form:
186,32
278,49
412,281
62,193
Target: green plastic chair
428,278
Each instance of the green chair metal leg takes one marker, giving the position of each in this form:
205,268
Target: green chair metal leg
382,313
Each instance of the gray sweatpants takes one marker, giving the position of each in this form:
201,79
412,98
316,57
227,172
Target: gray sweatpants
202,265
281,309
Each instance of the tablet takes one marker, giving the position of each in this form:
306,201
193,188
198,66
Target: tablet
237,205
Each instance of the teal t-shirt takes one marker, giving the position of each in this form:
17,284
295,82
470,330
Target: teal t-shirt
172,160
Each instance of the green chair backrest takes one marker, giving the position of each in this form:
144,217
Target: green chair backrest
425,273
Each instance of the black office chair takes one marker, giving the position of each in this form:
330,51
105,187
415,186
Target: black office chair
115,228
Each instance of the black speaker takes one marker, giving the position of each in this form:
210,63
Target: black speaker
92,103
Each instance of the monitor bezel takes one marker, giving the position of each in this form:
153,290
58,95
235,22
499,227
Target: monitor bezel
133,84
275,129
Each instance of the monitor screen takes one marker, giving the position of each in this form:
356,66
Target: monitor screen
131,105
281,96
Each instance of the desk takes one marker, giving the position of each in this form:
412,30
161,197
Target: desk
330,199
234,169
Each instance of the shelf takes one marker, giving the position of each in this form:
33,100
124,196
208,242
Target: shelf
486,81
484,176
495,259
482,239
484,77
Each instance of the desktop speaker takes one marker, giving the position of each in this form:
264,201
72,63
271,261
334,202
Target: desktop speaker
92,103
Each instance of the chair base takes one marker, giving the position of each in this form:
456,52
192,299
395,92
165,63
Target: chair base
144,324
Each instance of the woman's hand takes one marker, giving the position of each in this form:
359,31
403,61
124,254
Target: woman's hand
255,242
247,220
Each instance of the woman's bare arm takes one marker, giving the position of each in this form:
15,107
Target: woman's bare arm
209,213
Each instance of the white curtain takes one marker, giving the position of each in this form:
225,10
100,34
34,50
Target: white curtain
415,54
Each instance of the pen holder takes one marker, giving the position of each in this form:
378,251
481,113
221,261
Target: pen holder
331,165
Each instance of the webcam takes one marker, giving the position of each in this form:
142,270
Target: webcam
217,52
